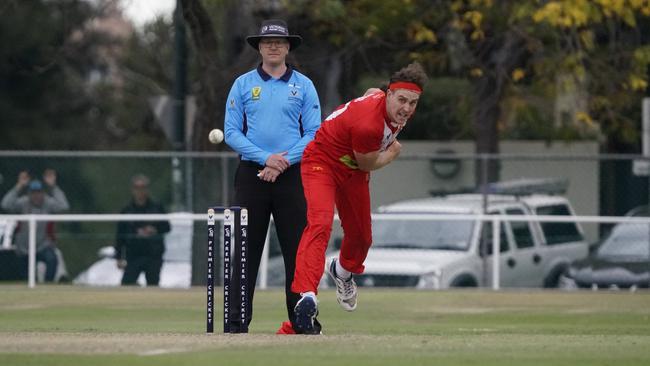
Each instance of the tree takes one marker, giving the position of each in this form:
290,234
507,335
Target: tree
506,50
558,46
219,59
42,72
143,69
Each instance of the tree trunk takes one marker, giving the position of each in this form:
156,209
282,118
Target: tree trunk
485,121
498,56
211,90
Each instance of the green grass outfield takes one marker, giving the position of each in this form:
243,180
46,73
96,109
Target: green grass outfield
61,325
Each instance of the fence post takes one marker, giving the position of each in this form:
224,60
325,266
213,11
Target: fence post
483,188
496,252
225,192
31,267
264,263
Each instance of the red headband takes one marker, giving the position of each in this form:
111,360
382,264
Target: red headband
405,85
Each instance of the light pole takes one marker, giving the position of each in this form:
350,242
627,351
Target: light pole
179,166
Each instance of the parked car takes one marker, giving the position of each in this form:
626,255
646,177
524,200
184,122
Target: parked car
622,260
445,253
176,271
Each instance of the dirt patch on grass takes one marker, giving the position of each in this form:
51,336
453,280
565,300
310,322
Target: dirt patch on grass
136,343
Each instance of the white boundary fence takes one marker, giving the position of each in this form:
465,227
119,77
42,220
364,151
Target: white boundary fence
495,219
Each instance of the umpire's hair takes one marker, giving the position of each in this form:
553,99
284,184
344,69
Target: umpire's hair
413,73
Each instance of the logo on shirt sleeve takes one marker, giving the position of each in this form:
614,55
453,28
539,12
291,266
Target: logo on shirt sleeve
255,92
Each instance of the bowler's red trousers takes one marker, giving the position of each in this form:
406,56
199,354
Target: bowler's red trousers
327,184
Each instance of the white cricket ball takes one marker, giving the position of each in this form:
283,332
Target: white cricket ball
215,136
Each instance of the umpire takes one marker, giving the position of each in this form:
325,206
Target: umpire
272,112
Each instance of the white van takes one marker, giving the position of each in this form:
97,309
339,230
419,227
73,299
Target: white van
458,253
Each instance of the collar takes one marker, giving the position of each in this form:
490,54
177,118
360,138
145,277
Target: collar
394,127
387,120
266,77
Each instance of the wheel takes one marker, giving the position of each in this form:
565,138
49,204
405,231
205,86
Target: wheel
553,278
464,281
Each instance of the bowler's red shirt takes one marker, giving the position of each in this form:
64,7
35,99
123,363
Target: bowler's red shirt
360,125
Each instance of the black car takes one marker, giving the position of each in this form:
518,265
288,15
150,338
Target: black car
622,260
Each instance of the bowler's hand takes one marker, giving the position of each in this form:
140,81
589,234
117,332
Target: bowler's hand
278,161
392,151
395,148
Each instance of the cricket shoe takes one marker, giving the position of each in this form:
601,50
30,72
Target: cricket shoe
305,312
287,328
346,289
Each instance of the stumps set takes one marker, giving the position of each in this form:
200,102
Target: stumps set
235,269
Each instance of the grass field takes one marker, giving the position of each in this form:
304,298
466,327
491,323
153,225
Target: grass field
60,325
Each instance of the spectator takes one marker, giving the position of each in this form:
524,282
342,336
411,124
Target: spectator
140,244
39,199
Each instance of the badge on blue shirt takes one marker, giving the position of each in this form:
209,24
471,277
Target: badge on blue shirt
255,92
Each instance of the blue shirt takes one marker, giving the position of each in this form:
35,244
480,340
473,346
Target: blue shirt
265,116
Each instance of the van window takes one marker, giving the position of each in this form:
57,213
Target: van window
558,232
520,230
486,239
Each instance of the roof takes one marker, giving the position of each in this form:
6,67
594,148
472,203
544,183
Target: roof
467,203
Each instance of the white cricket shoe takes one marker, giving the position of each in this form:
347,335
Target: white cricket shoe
346,289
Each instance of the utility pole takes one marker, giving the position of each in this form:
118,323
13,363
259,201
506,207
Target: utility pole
179,178
645,115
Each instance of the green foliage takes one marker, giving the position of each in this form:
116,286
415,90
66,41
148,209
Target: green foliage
145,70
42,99
68,76
530,124
47,72
596,42
443,112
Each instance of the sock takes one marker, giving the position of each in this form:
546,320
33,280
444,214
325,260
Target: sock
341,272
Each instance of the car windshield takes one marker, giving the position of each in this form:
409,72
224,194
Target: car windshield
418,234
627,240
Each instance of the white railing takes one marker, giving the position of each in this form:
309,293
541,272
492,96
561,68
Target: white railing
32,220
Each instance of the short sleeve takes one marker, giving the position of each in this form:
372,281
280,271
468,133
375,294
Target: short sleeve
366,138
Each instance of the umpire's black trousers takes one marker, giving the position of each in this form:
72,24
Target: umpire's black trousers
285,200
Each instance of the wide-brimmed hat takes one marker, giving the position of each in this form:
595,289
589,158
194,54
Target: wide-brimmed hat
274,28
